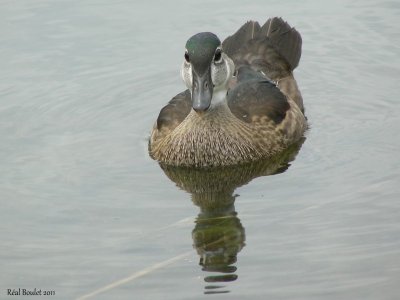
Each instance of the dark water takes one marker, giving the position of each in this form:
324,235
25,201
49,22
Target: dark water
86,213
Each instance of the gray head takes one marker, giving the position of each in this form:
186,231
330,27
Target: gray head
205,69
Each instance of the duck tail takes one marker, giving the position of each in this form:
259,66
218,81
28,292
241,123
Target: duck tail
280,35
232,44
285,39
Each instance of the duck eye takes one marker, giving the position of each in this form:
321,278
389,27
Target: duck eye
217,55
187,57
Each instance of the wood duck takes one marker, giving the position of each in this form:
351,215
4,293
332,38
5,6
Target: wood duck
242,102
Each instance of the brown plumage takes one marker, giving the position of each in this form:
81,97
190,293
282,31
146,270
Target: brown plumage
261,115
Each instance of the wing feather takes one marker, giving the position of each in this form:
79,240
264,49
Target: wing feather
255,97
175,111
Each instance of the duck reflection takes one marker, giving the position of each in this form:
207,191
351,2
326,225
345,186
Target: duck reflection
218,235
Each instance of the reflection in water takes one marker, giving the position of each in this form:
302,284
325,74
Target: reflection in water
218,235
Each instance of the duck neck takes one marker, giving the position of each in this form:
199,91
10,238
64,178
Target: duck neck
218,98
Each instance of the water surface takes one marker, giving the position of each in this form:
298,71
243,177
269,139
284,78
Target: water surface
85,211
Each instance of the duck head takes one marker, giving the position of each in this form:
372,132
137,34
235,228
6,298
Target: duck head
206,69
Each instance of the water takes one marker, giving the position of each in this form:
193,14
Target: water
86,213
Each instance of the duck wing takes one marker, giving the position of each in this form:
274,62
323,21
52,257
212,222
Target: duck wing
175,111
255,99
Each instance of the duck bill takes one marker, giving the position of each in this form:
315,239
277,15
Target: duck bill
202,91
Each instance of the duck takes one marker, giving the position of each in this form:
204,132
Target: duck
242,102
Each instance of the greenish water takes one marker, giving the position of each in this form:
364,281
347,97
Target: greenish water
85,211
